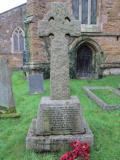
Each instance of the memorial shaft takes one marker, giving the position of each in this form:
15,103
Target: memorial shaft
59,68
58,24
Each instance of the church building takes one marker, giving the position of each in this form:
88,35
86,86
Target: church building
95,53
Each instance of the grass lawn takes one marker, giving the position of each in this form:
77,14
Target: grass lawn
104,124
108,96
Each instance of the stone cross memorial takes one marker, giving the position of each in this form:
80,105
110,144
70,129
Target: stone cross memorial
6,94
59,120
58,24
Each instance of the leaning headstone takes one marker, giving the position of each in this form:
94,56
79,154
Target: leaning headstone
7,104
59,120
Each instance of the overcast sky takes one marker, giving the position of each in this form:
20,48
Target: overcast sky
8,4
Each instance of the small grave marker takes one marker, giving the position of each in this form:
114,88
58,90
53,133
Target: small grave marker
35,83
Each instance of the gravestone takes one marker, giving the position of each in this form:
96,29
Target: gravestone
35,83
31,69
34,77
7,104
59,120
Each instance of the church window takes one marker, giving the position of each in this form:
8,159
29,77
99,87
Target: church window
93,11
18,41
88,12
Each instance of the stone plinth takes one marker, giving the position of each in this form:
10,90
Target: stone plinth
57,117
57,126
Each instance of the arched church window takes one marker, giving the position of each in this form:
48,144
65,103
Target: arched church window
86,11
18,41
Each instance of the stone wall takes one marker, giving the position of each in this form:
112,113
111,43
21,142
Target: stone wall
9,20
39,48
108,36
110,11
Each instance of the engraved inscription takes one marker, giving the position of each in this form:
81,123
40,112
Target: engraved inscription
63,119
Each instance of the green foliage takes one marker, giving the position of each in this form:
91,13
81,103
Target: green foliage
104,124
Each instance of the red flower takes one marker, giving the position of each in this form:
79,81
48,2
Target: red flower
81,150
67,156
75,144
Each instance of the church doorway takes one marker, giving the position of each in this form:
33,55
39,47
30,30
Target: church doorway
84,61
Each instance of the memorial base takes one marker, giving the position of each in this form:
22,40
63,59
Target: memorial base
9,113
58,123
54,143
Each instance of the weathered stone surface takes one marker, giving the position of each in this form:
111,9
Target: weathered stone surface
56,126
58,23
52,143
59,117
98,100
6,94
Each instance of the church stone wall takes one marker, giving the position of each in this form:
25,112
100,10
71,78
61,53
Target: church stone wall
39,48
108,37
110,16
111,48
9,20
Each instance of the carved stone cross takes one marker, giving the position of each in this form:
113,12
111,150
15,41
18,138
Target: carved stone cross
58,23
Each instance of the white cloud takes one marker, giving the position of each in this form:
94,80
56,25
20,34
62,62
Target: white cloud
8,4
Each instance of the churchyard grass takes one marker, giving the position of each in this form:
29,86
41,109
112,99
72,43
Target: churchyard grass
107,96
104,124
